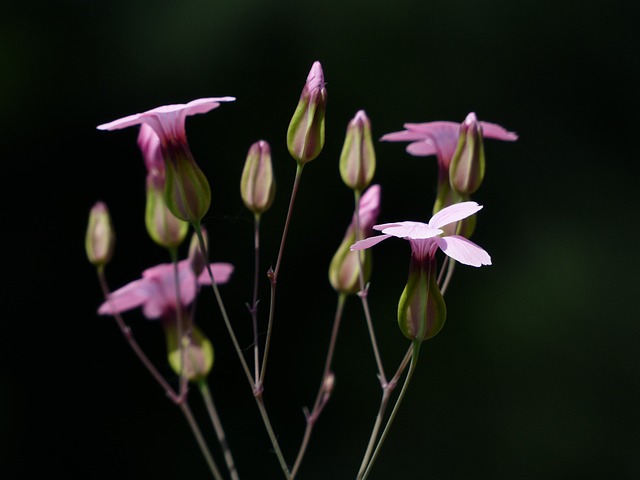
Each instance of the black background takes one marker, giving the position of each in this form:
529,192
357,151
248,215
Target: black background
535,374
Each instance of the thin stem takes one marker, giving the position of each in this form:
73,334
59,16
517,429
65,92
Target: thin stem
447,280
385,432
364,289
217,426
179,400
257,392
386,395
180,330
273,275
272,436
254,304
323,394
201,443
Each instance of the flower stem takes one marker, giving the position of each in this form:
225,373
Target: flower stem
386,395
257,392
254,304
217,426
201,443
323,395
179,400
364,289
273,275
414,361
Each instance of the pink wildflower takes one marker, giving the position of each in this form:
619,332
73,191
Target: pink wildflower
441,138
426,238
155,292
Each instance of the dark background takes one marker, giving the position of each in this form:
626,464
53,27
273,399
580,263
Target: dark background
535,374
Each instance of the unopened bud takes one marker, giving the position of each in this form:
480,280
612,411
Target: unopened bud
257,185
305,136
197,352
196,258
421,310
163,227
100,237
187,192
467,165
358,158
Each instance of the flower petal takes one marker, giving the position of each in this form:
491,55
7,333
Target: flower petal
128,297
221,274
492,130
413,230
463,250
423,148
368,242
453,213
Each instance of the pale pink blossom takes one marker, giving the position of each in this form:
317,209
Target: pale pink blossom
426,238
441,138
167,121
155,292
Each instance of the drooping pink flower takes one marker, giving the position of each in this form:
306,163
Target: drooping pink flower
155,292
426,238
441,138
167,121
187,191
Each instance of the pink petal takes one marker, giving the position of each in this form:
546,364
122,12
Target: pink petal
130,296
369,207
221,274
492,130
463,250
423,148
402,136
368,242
413,230
453,213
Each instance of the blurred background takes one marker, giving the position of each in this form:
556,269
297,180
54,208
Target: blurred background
535,374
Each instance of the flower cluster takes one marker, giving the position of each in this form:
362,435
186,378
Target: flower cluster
178,198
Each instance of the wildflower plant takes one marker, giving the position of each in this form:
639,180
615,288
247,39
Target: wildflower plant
178,199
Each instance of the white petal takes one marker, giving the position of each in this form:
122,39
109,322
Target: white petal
453,213
463,250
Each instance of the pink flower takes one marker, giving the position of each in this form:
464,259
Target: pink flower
426,238
155,292
441,138
187,192
167,121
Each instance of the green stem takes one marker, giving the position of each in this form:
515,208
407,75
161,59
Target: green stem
217,426
392,416
273,275
201,443
323,394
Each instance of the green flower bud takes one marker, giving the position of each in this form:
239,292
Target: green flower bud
186,192
344,268
257,185
358,158
163,227
198,262
466,171
305,136
100,238
197,352
421,310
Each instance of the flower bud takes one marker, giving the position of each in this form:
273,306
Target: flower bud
196,259
197,352
466,171
100,238
358,158
421,310
305,136
187,192
344,269
257,185
163,227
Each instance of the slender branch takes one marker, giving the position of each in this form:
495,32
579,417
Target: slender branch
387,390
179,400
254,304
273,275
392,416
364,290
257,393
323,394
217,426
